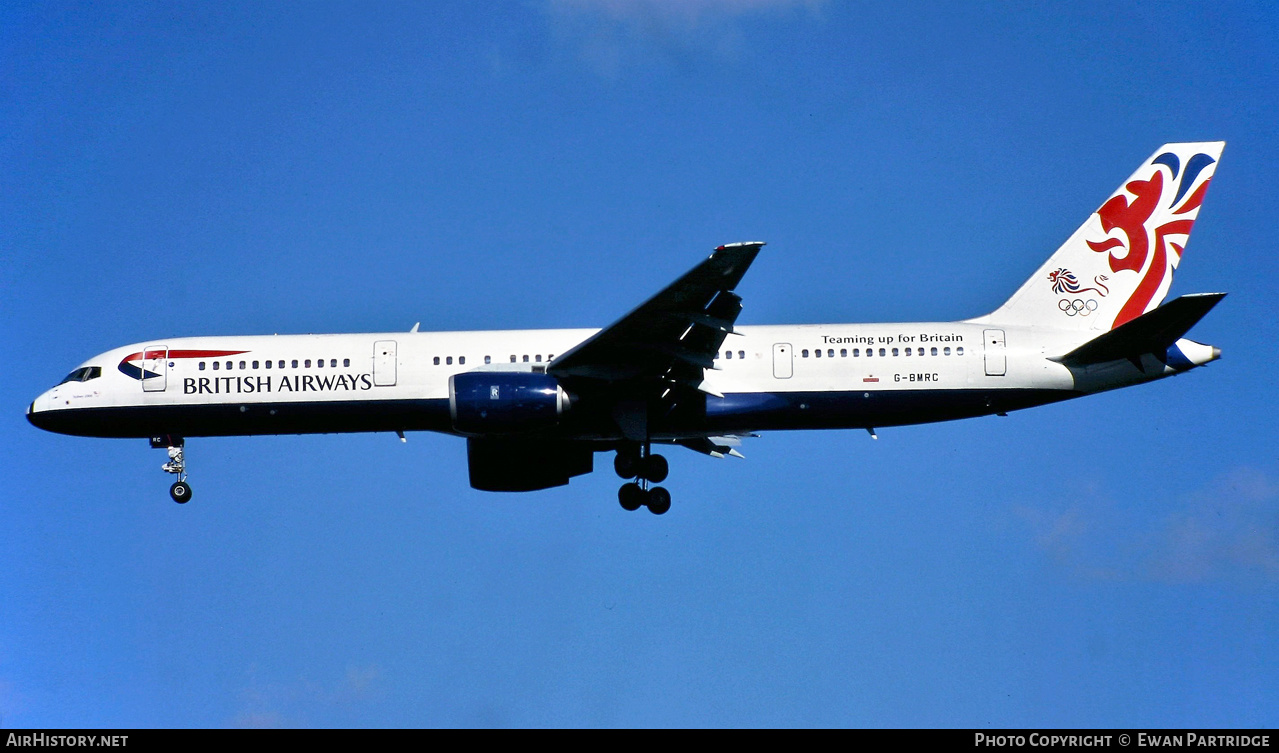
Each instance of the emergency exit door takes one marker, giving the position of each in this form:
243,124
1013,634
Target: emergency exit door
783,360
384,363
996,353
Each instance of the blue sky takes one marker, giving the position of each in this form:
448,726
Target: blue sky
320,167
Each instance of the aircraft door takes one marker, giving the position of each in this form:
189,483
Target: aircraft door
384,363
155,362
996,353
783,361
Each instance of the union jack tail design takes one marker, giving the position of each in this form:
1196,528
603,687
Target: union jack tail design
1129,248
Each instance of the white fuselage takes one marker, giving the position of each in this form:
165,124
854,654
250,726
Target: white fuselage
869,369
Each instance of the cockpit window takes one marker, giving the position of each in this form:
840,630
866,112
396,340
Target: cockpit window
83,374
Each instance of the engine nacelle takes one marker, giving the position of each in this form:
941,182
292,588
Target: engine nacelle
515,464
497,402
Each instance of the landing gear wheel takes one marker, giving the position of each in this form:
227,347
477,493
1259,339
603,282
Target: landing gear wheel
656,469
631,497
626,464
659,500
181,492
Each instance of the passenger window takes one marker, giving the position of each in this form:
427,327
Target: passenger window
512,359
843,352
894,352
857,352
215,365
319,364
255,364
870,352
437,360
488,360
817,353
333,363
346,362
882,353
741,354
448,360
202,366
308,363
295,363
525,359
830,352
934,351
537,358
959,351
728,354
946,350
908,351
804,353
461,360
267,364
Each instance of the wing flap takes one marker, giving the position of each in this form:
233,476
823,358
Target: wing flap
716,447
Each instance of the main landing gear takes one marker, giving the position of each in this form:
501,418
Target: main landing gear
646,468
181,490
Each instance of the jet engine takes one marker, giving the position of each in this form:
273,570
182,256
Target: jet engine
496,402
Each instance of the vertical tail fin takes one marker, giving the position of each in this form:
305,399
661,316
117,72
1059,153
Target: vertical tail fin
1119,264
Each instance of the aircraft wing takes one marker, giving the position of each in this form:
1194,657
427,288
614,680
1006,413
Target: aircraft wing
669,340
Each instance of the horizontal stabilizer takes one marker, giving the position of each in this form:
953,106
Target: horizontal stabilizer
1152,332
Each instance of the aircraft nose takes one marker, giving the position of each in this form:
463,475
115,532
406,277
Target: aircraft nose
31,415
37,413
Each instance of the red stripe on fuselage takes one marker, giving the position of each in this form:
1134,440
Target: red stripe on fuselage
187,354
204,353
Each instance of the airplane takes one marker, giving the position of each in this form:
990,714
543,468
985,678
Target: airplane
535,406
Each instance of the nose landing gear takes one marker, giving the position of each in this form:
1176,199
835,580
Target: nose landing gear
181,490
646,468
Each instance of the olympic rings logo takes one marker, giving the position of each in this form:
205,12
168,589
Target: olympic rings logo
1077,306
